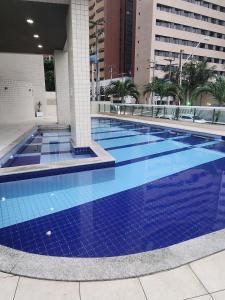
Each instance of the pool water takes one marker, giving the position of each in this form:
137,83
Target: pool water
46,146
167,187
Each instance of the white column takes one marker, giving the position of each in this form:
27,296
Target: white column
79,71
62,86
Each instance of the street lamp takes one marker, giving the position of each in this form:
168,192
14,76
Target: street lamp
199,43
170,60
188,58
151,66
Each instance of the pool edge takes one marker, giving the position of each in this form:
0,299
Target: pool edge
123,267
103,159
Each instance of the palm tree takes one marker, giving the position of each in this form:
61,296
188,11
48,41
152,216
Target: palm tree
161,88
216,89
121,89
195,74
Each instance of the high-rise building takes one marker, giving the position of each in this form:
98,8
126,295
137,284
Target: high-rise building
166,27
116,36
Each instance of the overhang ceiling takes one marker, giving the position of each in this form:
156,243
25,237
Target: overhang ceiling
16,35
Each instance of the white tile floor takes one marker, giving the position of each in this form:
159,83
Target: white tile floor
201,280
10,132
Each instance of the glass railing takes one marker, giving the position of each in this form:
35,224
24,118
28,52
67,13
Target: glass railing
197,114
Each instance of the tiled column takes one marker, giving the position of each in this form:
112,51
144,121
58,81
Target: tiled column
62,86
79,71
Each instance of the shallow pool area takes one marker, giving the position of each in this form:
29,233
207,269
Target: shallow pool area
46,146
168,186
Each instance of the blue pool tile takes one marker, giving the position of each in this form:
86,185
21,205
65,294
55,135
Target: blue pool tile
131,140
152,216
36,140
145,150
160,193
194,140
56,139
219,146
59,147
57,133
79,188
166,134
61,156
22,160
107,129
111,135
30,149
51,145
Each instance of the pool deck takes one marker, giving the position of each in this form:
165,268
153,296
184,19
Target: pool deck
201,280
211,129
11,132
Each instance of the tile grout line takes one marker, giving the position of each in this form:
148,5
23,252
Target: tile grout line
197,297
200,281
16,288
143,289
79,291
219,291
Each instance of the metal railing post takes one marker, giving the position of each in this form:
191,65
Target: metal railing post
213,116
195,110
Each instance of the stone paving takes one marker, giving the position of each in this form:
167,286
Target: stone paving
201,280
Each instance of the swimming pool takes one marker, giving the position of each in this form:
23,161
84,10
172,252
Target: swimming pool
168,186
46,146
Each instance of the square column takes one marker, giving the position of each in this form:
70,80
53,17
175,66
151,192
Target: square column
79,71
62,87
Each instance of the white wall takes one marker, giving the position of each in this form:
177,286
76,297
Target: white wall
16,102
79,71
28,68
51,104
62,86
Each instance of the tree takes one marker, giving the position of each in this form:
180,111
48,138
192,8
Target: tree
194,75
49,75
216,89
121,89
161,88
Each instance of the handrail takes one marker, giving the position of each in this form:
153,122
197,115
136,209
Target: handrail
198,114
167,106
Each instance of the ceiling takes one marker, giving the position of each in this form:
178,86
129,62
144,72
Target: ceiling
16,35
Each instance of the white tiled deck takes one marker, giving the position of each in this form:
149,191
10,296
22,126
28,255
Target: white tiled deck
10,132
200,280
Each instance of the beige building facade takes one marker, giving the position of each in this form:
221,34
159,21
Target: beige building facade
97,13
165,27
